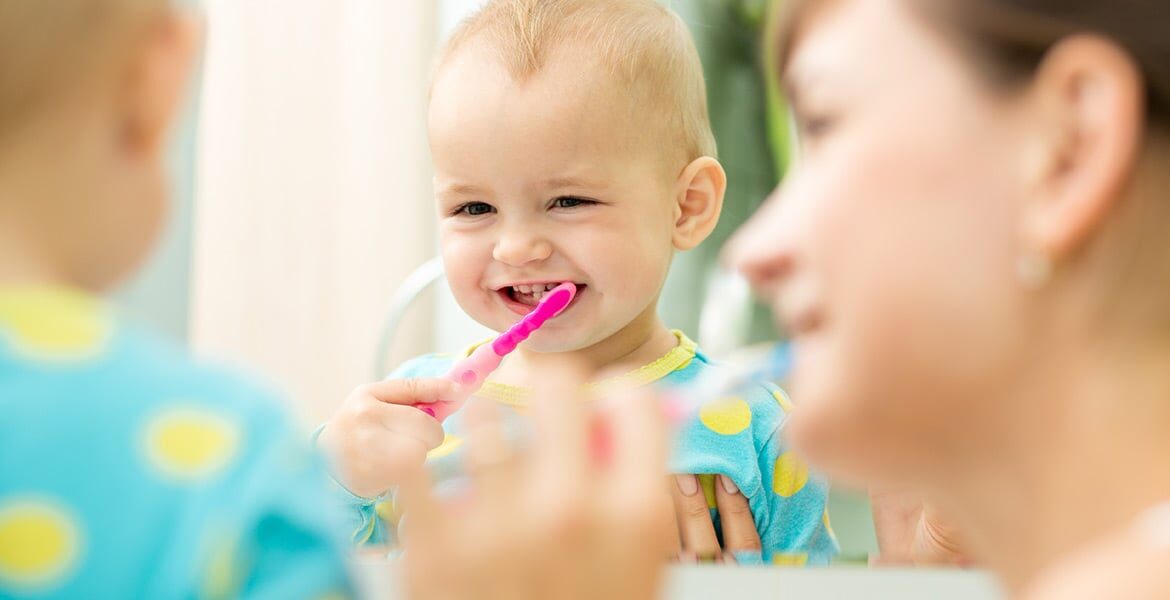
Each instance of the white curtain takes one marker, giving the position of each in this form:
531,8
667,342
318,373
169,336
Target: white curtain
313,187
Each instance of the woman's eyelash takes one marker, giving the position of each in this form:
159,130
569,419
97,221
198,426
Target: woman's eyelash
815,126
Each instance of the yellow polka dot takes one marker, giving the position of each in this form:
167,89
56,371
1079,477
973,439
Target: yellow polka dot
828,525
728,416
450,444
790,559
191,444
785,403
790,475
707,482
39,543
55,325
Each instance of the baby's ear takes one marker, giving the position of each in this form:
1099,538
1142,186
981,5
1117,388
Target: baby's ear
698,202
158,80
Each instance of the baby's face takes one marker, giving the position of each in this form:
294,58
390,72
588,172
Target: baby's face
543,182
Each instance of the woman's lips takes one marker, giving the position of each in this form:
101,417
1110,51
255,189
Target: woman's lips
805,323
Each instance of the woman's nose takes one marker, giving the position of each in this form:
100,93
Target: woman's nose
519,248
762,249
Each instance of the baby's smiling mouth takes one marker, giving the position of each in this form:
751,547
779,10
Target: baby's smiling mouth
530,294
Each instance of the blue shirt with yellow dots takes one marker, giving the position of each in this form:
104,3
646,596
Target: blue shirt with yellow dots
737,437
130,472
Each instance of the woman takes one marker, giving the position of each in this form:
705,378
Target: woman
972,259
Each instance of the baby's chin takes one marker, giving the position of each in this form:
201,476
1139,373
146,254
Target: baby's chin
558,338
554,339
549,344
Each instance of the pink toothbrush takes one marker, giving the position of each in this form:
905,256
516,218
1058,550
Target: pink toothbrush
470,373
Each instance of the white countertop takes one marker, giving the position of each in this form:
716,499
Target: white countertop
710,582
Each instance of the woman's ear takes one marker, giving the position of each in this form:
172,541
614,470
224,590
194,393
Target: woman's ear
698,202
158,80
1090,102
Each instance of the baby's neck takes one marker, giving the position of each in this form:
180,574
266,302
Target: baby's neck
639,343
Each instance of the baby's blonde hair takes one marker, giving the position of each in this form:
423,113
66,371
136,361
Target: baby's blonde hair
646,46
48,48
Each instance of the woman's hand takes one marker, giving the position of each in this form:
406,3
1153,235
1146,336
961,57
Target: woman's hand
557,522
696,540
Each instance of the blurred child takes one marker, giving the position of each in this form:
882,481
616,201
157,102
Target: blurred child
128,470
571,143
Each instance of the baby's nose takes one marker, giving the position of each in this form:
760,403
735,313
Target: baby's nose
521,248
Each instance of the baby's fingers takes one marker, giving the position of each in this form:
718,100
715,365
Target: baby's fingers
409,391
406,421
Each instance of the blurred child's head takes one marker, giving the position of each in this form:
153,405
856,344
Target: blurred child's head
88,89
571,142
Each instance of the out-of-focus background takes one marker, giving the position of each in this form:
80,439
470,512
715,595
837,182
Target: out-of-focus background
303,198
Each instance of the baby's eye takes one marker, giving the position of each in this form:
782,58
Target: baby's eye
474,209
572,202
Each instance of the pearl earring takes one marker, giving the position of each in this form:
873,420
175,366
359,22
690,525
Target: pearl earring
1034,269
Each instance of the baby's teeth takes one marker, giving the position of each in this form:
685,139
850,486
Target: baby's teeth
537,290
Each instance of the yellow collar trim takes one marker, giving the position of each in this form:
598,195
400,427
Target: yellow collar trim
54,323
677,358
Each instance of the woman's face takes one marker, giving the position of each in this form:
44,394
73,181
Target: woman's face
890,250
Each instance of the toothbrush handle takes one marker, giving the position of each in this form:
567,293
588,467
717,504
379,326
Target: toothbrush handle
468,376
471,372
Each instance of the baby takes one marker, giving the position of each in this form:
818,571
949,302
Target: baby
127,470
571,143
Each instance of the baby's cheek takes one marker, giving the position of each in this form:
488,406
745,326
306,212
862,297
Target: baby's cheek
465,275
635,272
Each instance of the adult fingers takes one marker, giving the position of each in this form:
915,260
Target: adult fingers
637,436
491,460
735,516
423,525
635,468
694,518
562,427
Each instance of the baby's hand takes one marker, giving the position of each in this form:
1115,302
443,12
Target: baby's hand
377,434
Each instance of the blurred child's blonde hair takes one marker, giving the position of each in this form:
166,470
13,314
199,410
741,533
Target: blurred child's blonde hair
647,47
51,49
